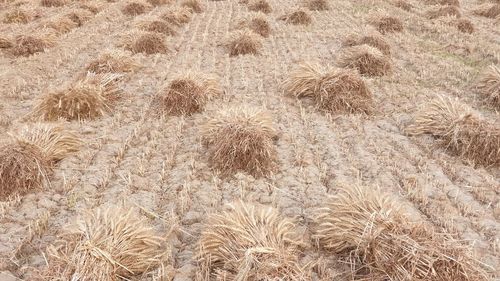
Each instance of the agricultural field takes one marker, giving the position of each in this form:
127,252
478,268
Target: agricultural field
249,140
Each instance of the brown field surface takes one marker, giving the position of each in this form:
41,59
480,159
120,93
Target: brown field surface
249,140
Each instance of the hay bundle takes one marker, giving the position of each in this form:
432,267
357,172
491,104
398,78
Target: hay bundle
372,39
106,244
53,3
297,17
488,10
93,8
62,24
260,6
134,9
460,130
177,16
112,61
244,42
157,3
317,5
403,5
448,11
88,98
26,45
333,90
159,26
383,243
251,242
465,26
241,139
194,5
366,59
388,24
17,16
147,43
259,25
489,85
188,94
27,162
455,3
79,16
5,43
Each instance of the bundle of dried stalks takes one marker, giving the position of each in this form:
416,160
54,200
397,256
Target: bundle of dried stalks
88,98
177,16
17,16
106,244
244,42
26,45
159,26
147,43
447,11
387,24
194,5
488,85
260,6
241,139
372,230
251,242
465,25
188,93
27,162
113,61
297,17
333,90
5,43
366,59
488,10
373,39
259,25
134,8
317,5
403,5
460,130
53,3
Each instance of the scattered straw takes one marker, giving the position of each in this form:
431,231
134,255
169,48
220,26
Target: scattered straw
465,26
88,98
188,94
297,17
460,130
244,42
251,242
113,61
488,10
241,139
388,24
147,43
333,90
317,5
447,11
372,230
489,85
260,6
17,16
372,39
159,26
366,59
134,9
194,5
106,244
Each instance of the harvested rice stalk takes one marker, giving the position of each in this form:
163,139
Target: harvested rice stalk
113,61
488,85
387,24
260,6
366,59
244,42
297,17
373,39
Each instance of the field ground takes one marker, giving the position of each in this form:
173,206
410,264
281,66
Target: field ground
159,164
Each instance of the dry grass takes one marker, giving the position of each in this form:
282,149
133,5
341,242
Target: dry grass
465,26
251,242
17,16
447,11
26,45
53,3
159,26
241,139
372,39
244,42
460,130
106,244
488,10
5,43
27,162
147,43
382,242
366,59
297,17
177,16
317,5
113,61
188,94
260,6
194,5
134,9
488,85
333,90
259,25
387,24
402,4
88,98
